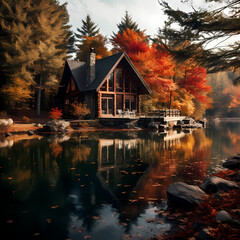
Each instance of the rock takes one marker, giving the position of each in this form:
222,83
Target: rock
214,184
184,195
232,163
223,216
205,234
30,132
6,122
56,126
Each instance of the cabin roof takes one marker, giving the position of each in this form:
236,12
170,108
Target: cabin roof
103,68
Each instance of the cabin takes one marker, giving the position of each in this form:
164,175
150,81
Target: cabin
110,86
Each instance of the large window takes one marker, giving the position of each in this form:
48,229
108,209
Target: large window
119,102
104,86
130,103
127,84
119,79
111,82
107,104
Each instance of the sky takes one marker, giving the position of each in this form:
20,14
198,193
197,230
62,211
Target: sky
108,13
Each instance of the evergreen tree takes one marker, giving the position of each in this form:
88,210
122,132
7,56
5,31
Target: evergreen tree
89,29
34,40
49,37
207,26
89,37
125,23
17,52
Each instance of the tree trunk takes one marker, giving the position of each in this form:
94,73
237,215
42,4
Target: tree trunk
39,96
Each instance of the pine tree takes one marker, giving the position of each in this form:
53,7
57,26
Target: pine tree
17,52
203,27
89,29
125,23
34,37
49,36
89,37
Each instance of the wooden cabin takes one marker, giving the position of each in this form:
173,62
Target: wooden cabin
108,86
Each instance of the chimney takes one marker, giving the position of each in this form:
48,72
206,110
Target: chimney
91,64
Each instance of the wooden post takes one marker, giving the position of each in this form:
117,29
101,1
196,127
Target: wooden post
99,104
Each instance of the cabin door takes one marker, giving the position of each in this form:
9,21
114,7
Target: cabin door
107,105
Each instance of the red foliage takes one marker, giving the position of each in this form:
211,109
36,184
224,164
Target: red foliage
195,83
55,113
155,66
206,213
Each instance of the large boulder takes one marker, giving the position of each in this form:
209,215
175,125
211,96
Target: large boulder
214,184
6,122
184,195
232,163
56,126
224,217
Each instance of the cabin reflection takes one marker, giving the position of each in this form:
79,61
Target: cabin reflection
116,153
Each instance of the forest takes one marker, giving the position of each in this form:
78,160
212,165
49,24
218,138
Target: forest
183,73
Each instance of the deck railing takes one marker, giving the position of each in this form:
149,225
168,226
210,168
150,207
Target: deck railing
165,113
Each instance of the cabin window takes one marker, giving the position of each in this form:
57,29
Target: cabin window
127,84
119,80
133,88
127,104
107,104
119,102
133,103
130,103
104,86
110,82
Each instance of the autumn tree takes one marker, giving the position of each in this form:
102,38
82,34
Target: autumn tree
49,35
34,40
16,57
154,65
17,91
98,43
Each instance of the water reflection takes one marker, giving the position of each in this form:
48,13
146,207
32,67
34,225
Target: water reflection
103,185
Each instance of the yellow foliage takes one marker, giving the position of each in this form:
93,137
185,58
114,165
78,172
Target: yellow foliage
80,110
17,91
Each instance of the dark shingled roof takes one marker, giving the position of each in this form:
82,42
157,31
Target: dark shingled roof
103,68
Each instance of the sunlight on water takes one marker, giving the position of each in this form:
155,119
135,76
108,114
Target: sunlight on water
102,185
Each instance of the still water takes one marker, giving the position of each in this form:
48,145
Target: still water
102,185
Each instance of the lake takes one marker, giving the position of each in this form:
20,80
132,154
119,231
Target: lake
103,185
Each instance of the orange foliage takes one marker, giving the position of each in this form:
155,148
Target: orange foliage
234,93
154,65
195,83
55,113
98,43
56,149
177,84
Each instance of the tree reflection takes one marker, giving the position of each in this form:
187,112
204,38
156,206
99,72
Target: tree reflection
47,182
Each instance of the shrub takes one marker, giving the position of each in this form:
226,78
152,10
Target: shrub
80,110
55,113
